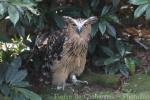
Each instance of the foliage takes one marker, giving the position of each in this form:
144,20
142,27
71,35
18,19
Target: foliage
12,75
143,6
12,82
106,49
16,9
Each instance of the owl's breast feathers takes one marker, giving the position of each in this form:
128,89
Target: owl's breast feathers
63,49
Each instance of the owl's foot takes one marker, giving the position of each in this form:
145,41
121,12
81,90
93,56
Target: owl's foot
61,87
77,82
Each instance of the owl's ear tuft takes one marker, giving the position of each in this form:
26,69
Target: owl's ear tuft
92,19
67,18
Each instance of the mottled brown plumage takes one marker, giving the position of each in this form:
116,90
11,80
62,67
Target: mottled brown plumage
66,49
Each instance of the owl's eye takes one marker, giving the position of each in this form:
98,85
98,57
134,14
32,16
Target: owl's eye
85,25
73,24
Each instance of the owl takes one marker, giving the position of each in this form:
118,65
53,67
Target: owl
65,50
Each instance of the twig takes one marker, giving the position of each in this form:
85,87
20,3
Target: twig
141,44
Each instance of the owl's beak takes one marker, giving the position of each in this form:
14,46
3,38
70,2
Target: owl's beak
79,30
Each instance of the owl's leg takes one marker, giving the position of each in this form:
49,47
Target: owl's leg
75,81
59,79
61,87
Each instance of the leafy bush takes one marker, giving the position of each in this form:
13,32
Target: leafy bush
12,75
143,6
12,82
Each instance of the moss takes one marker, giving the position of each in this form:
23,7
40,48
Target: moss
138,83
100,79
4,97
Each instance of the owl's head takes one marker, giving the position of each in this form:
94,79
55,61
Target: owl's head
80,25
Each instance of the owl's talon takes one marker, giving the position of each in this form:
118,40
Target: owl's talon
61,87
79,82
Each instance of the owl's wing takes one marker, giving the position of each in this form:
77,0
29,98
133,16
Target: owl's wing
51,46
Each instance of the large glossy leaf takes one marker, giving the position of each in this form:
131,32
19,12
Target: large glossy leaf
140,10
112,60
124,70
138,2
121,48
148,13
94,29
3,70
111,30
98,61
112,69
19,97
130,63
16,63
11,72
21,84
107,51
19,76
2,9
114,18
105,10
13,69
102,27
13,14
5,89
29,94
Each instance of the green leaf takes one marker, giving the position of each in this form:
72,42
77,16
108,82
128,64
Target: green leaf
111,30
102,27
111,60
3,67
5,89
13,69
21,84
16,63
11,72
138,2
29,94
107,51
2,9
19,97
120,47
148,13
13,14
19,76
140,10
130,63
94,29
124,70
98,61
114,18
105,10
